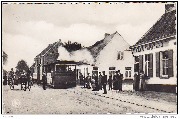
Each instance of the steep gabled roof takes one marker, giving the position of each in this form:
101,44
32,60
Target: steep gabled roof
99,45
164,27
46,49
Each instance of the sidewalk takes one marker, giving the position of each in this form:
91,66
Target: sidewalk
165,102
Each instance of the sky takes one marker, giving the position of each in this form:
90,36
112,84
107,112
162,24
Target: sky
28,28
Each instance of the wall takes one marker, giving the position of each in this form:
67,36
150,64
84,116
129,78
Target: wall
108,56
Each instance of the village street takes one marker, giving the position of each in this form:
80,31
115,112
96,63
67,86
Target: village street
80,100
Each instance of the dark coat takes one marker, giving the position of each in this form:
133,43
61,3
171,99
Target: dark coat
104,79
110,81
44,79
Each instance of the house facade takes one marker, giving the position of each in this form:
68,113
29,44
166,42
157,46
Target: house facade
156,53
112,54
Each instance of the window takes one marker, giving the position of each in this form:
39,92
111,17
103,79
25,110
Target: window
164,63
128,72
136,64
147,64
120,55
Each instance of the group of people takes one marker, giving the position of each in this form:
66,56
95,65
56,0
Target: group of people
99,82
13,78
8,77
24,77
139,81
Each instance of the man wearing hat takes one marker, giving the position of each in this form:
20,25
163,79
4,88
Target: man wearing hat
104,82
100,81
120,78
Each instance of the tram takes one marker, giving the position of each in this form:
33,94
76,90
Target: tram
61,74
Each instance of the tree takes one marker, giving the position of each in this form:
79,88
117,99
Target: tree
21,65
5,57
72,46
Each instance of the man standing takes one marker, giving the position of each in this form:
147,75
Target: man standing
88,81
96,82
115,81
136,81
28,77
81,78
104,82
100,81
110,82
11,76
142,82
120,78
44,79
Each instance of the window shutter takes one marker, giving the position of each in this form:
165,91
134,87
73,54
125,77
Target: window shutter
170,63
122,55
118,56
151,65
140,62
157,64
135,68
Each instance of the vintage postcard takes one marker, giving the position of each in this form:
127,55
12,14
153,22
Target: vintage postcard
117,58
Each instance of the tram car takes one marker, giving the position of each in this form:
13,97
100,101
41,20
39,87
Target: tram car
61,74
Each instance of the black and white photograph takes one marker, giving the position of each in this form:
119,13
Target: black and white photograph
89,58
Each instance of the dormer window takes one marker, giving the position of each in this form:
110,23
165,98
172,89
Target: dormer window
120,55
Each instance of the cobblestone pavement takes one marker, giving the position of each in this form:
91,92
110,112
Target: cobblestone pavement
85,101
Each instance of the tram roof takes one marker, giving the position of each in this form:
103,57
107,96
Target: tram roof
67,62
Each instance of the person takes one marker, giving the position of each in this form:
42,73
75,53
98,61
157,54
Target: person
119,78
28,77
81,78
44,79
93,84
100,81
142,83
96,82
23,80
88,79
136,82
104,82
110,82
115,81
11,76
84,81
11,73
121,81
5,79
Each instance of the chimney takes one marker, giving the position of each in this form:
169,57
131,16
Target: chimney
169,7
106,34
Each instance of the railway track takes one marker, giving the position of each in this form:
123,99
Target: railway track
130,103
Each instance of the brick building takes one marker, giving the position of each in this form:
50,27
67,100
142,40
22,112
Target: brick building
48,55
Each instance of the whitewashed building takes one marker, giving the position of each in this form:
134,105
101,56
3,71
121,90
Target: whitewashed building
112,54
156,53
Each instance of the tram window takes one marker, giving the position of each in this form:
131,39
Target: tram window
65,68
61,68
71,68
